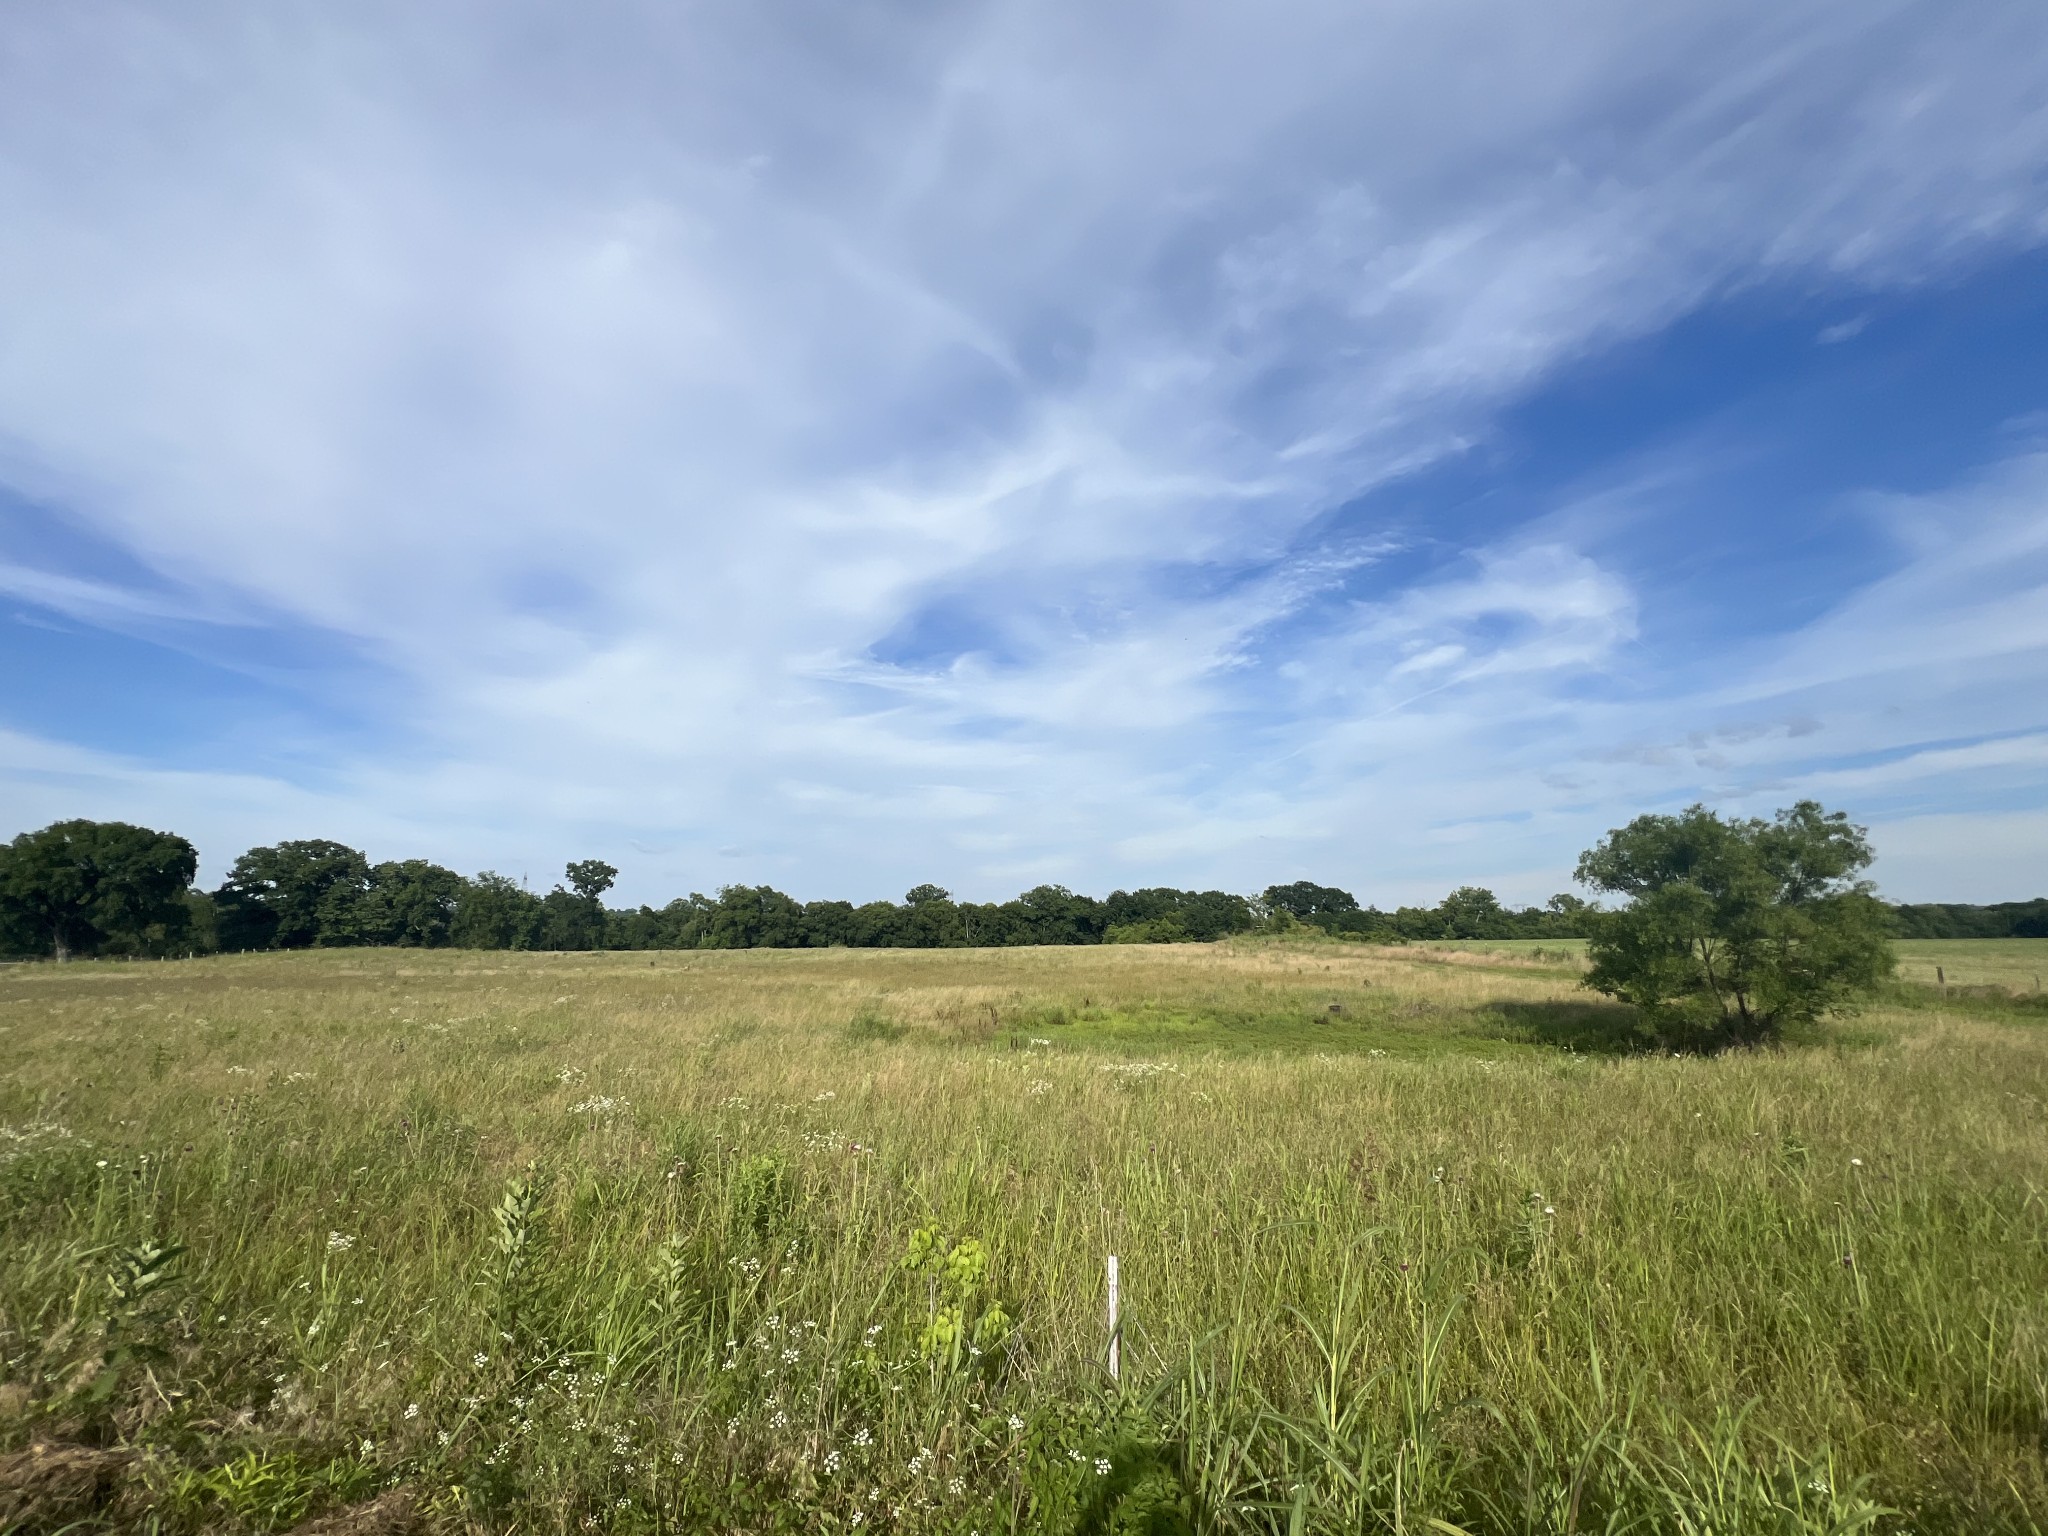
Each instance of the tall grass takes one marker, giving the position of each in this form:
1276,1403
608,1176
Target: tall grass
564,1243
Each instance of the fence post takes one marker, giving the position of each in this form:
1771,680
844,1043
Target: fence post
1115,1338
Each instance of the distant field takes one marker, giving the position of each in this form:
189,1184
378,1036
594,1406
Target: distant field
2020,965
1525,948
1411,1239
2017,964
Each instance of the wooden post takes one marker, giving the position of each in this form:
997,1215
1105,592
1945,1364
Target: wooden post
1115,1340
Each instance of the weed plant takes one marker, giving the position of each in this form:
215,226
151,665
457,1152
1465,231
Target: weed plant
1412,1239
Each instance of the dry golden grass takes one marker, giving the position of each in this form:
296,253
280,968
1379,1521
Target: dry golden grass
1450,1198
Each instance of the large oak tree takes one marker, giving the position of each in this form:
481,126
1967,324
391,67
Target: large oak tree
80,887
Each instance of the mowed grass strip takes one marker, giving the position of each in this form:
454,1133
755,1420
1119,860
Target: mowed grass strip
1405,1234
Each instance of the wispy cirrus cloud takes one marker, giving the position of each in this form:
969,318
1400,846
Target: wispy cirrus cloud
985,443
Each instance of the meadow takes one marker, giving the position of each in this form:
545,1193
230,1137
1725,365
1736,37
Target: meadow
1410,1239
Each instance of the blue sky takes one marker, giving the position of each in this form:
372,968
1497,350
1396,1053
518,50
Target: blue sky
845,446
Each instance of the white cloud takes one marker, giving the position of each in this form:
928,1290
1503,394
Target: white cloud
1996,856
622,382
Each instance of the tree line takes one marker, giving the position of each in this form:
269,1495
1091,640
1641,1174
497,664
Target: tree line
1730,930
108,888
1952,920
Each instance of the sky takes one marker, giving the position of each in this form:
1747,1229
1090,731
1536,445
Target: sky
844,445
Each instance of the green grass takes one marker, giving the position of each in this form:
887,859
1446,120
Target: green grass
2015,964
614,1242
2019,965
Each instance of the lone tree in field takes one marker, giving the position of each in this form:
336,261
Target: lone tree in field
1735,929
78,887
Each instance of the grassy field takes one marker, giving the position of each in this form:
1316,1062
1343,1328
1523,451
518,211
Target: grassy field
1410,1240
2015,964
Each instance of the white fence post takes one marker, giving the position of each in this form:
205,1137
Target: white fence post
1115,1339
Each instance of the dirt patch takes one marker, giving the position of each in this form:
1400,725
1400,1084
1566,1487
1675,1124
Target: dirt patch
389,1514
51,1481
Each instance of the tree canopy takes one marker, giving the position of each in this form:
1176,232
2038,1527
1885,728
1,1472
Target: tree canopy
92,887
286,895
1736,929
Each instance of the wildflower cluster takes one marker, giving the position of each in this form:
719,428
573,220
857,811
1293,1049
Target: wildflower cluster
25,1145
555,1406
1138,1071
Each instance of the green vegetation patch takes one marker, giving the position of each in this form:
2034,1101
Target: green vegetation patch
1367,1026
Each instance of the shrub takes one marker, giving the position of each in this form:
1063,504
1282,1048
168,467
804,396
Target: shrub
1152,930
